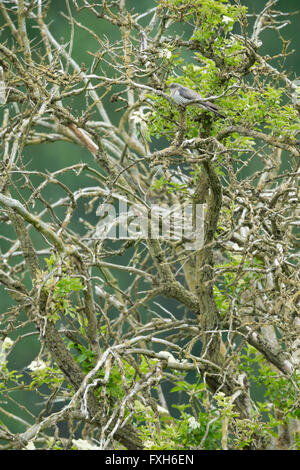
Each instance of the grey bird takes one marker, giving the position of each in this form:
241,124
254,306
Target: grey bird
184,96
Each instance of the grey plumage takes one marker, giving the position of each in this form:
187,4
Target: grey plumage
184,96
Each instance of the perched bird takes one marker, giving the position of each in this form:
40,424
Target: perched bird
184,96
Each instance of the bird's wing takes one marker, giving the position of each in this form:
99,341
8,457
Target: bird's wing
192,95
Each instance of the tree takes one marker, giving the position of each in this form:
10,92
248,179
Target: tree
188,275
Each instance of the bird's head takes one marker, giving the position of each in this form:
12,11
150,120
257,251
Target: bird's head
173,86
